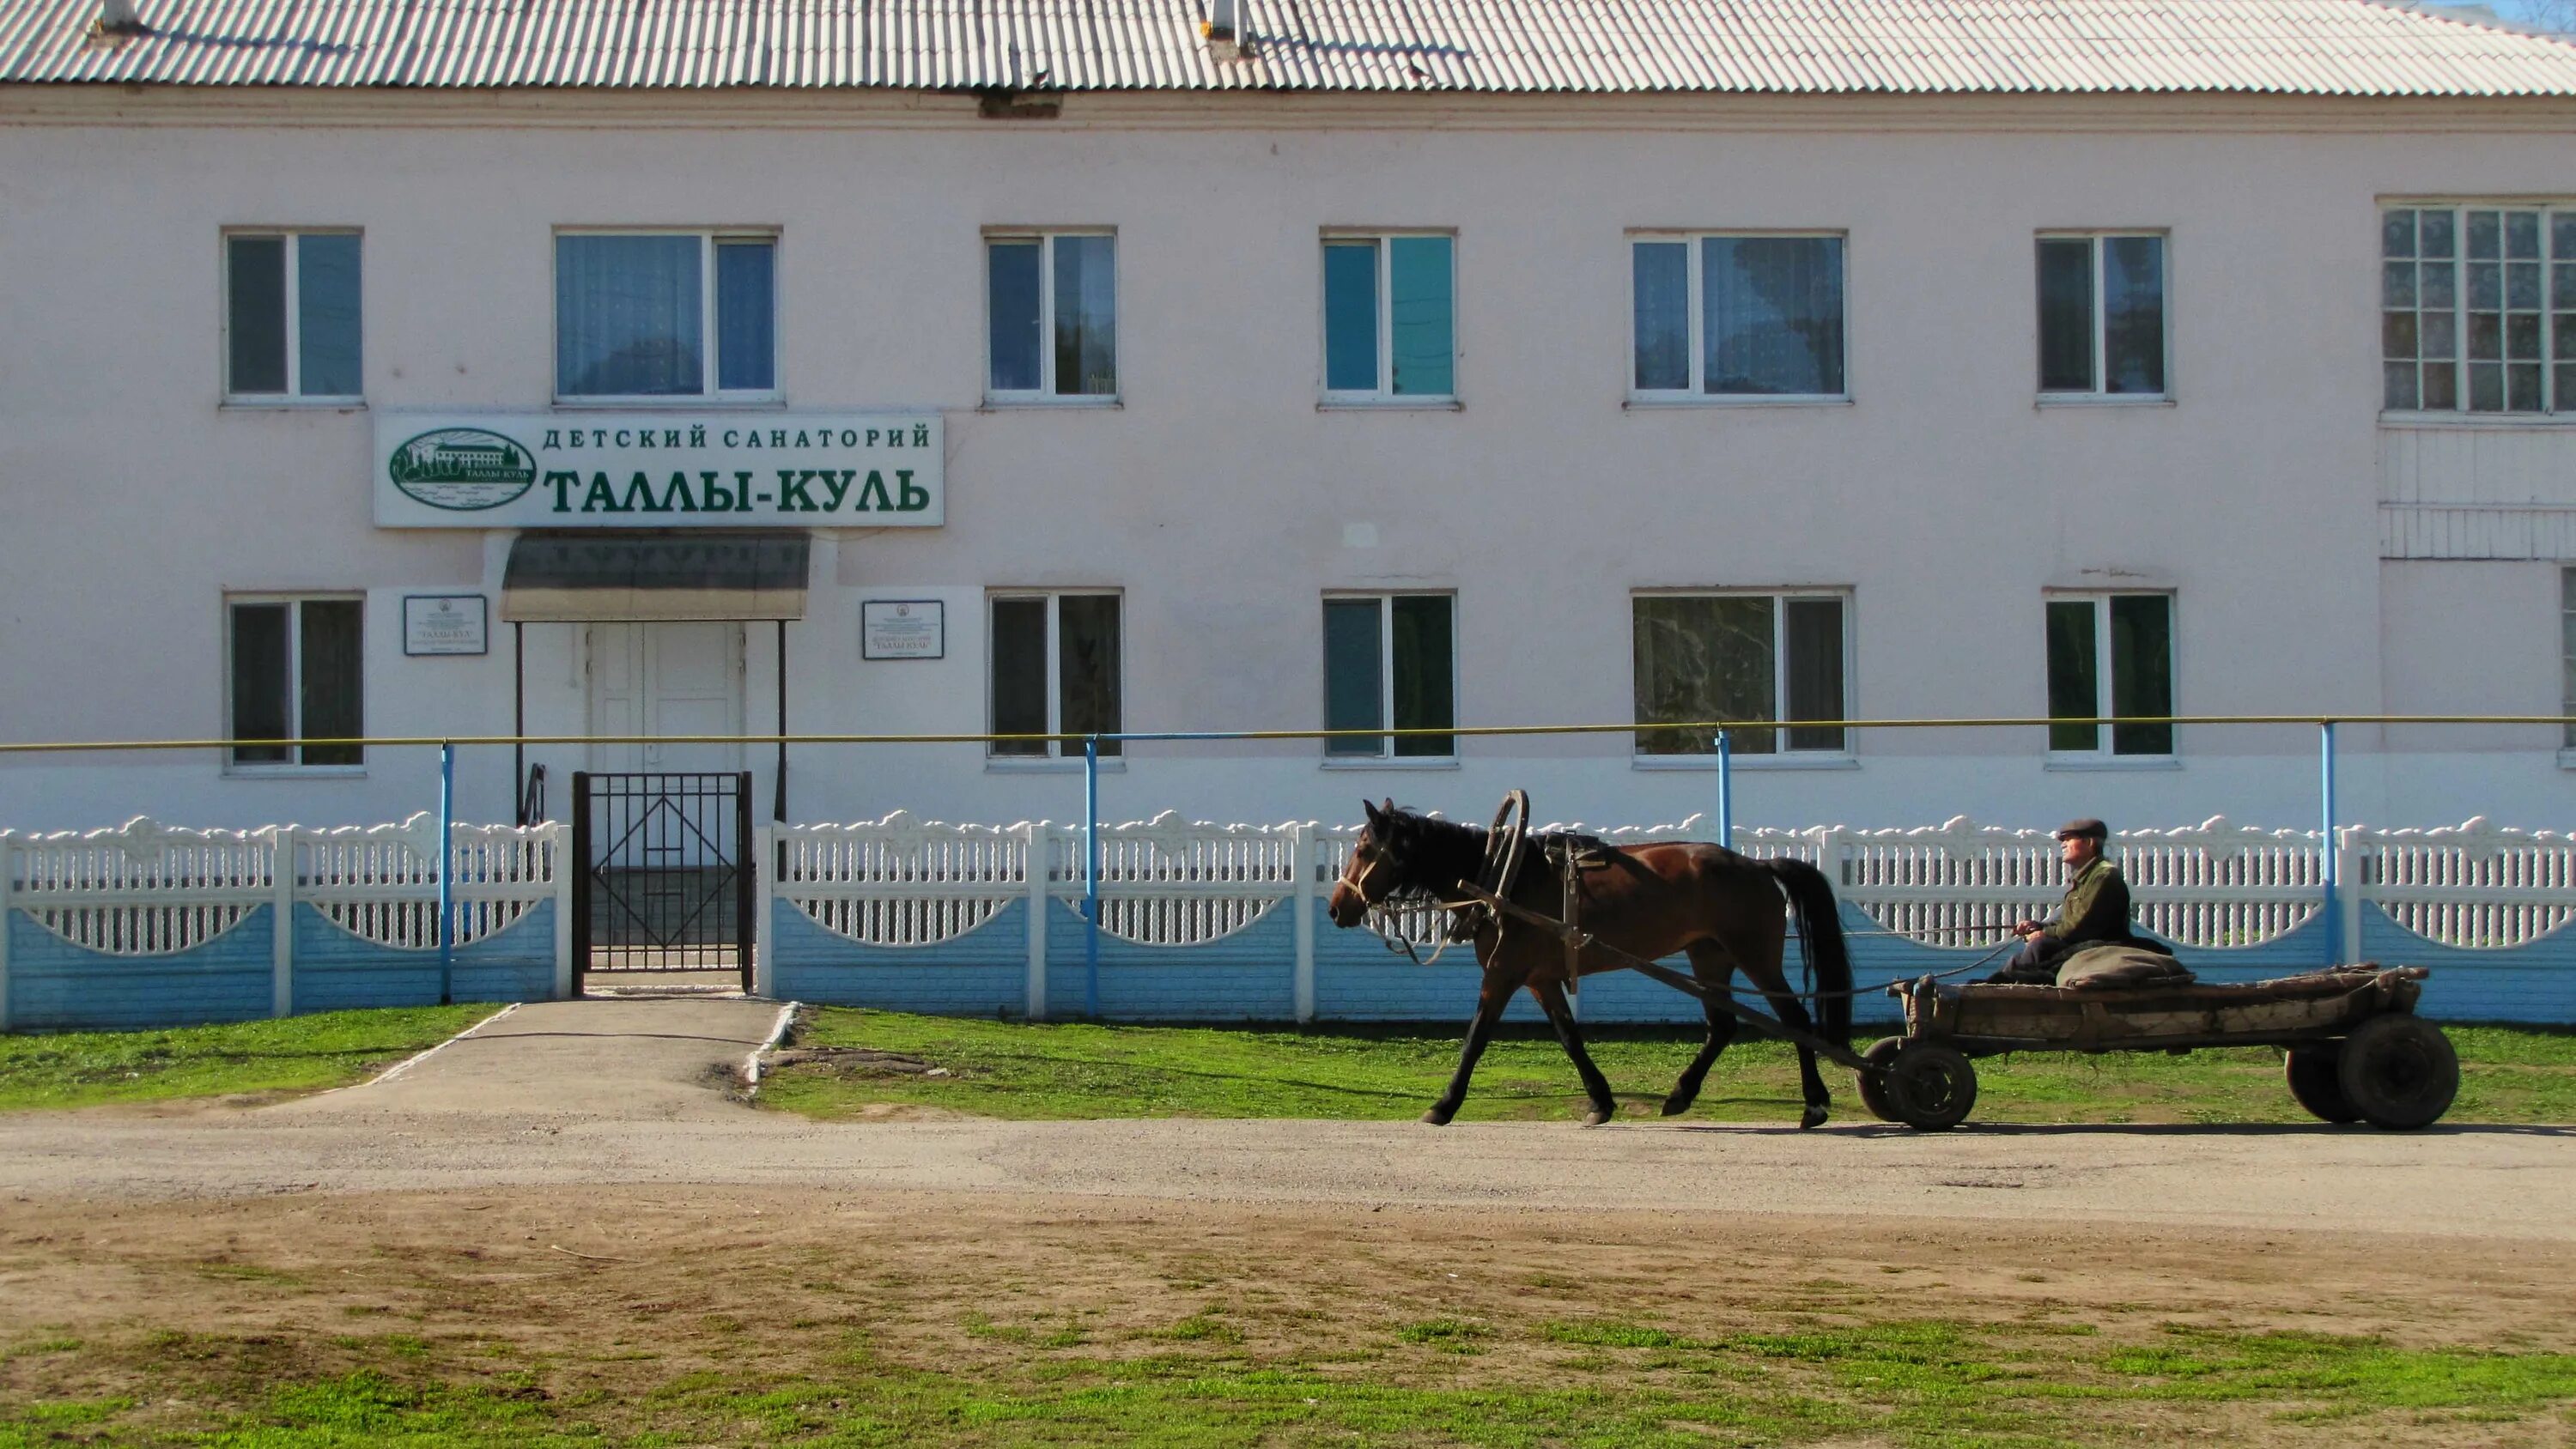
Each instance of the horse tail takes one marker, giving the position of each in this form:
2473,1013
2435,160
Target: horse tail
1820,938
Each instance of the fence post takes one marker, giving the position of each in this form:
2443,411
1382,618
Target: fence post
8,877
2327,855
446,872
281,881
1301,849
2355,884
1725,792
1037,845
1091,876
559,855
764,891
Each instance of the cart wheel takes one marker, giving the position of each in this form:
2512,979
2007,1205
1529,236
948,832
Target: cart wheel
2317,1084
1873,1085
1930,1087
2399,1071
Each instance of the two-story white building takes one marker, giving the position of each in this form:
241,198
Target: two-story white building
904,366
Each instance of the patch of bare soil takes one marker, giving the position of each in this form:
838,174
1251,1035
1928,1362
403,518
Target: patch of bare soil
617,1288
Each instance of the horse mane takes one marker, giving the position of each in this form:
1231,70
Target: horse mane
1437,854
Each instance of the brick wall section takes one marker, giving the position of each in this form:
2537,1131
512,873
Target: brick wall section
337,970
55,985
984,972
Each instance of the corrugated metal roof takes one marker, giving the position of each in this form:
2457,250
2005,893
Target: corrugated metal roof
2297,47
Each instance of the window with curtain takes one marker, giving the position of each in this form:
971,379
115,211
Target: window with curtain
1390,305
291,316
293,671
2102,315
2478,309
1051,316
1389,664
1736,316
1055,669
2110,656
1703,658
665,314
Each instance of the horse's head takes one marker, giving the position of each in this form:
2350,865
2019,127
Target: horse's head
1373,870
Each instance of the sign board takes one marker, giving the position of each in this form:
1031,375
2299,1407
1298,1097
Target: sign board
446,624
903,629
659,470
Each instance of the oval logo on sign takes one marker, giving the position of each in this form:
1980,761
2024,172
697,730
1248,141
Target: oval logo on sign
462,469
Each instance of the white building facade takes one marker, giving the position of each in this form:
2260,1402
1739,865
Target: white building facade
1267,388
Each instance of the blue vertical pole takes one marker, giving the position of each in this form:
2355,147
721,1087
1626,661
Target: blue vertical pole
2326,838
1091,876
446,869
1725,792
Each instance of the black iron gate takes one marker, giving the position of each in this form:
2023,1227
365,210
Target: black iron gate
666,879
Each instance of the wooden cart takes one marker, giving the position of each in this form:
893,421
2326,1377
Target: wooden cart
2357,1051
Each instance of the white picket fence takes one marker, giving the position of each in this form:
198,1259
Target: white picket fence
147,889
143,888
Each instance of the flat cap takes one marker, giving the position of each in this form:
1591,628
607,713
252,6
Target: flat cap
2088,826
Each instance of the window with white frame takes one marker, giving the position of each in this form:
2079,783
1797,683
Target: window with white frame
293,669
666,314
2110,656
1051,316
291,316
1055,670
2102,315
1719,315
1703,657
1390,664
2477,309
1390,312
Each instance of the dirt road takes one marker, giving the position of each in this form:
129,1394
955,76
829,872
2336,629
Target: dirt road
570,1093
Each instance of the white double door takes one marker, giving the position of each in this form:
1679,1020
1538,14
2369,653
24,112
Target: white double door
666,679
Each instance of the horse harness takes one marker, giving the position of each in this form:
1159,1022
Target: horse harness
1489,898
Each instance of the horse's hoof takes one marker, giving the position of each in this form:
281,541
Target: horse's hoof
1675,1106
1814,1116
1437,1117
1595,1117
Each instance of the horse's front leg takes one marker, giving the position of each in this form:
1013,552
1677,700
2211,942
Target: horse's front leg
1490,1001
1551,999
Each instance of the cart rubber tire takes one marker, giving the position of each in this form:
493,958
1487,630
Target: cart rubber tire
2399,1071
1873,1085
1930,1087
2316,1081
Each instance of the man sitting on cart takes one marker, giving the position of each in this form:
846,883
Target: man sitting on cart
2095,911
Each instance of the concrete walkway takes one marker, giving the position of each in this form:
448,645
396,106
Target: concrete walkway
645,1059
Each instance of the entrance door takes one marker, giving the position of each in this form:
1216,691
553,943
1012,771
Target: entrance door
662,828
662,680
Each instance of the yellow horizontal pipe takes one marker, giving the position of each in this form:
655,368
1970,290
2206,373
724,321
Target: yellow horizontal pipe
1225,736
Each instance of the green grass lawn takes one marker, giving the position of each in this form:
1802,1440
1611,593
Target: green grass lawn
293,1054
1019,1070
1581,1384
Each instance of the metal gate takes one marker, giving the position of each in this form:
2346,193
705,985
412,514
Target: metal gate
666,880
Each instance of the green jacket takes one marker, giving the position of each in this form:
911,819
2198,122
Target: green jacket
2096,907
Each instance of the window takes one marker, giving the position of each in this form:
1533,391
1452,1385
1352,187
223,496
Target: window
1389,308
1054,671
665,314
2110,656
1737,316
1702,657
2478,309
294,671
291,316
1051,305
2102,315
1389,664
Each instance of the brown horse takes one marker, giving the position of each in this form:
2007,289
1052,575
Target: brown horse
1643,901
